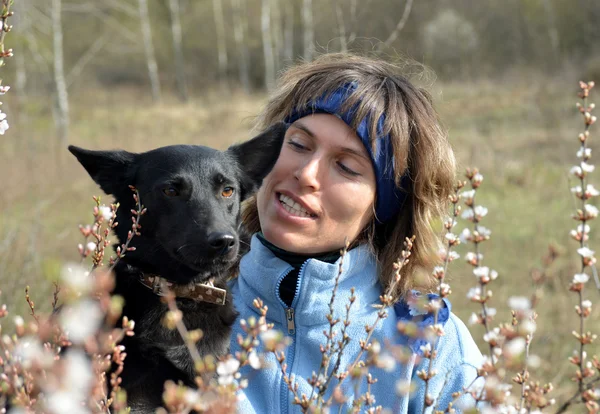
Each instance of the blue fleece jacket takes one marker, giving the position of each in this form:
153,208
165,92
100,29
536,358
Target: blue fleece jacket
261,273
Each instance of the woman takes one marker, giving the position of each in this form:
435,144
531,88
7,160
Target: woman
364,160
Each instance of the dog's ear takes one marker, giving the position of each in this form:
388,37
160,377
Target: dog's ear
257,156
111,170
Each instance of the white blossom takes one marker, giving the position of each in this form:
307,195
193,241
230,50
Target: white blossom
580,278
79,375
492,335
467,194
386,362
576,171
473,319
585,252
451,237
515,347
519,303
586,304
90,247
445,288
3,126
254,360
467,214
106,212
77,278
581,229
403,387
585,229
527,326
226,370
591,210
81,320
587,152
481,211
191,397
485,274
477,211
465,235
474,293
30,351
472,257
453,256
62,401
587,167
484,231
4,89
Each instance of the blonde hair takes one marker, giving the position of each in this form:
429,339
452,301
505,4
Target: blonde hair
420,145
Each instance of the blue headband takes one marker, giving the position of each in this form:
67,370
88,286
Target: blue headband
390,198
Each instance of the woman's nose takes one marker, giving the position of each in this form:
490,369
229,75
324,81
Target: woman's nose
308,173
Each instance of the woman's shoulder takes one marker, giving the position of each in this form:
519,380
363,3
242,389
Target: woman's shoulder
454,342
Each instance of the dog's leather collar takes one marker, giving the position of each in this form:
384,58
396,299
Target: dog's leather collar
194,291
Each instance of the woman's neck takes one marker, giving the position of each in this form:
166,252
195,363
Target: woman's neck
297,259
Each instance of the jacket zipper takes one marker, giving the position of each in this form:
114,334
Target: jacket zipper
291,328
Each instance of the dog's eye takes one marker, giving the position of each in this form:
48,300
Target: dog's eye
227,192
170,191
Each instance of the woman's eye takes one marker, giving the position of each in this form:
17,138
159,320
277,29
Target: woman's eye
347,170
170,191
227,192
296,145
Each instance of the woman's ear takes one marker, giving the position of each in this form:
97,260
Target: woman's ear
257,156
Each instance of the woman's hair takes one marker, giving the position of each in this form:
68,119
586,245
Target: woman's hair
420,147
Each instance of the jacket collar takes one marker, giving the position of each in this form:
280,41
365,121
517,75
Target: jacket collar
261,272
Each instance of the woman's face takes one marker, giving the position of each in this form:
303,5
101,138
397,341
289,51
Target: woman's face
321,190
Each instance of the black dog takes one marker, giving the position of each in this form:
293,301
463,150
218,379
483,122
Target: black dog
189,239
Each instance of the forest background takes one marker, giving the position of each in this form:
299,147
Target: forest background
137,74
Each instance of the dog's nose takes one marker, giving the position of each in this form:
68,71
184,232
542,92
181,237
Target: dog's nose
221,242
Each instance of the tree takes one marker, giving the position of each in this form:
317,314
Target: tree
178,48
221,44
240,30
149,50
267,44
309,30
62,97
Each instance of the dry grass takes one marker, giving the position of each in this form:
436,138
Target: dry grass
522,136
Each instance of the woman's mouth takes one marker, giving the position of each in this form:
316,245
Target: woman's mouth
292,207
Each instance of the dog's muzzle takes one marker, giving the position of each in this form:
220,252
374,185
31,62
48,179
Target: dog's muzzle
200,292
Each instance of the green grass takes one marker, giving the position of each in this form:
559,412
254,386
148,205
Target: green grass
522,136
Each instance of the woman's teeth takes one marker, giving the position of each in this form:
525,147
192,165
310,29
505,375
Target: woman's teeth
292,207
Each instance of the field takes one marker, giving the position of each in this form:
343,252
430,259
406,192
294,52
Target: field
521,134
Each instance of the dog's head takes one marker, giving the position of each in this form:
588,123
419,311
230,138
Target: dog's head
192,195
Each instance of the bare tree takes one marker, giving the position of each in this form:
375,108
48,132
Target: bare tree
276,32
240,30
394,35
339,16
221,44
177,46
552,29
149,50
288,31
309,30
87,57
62,97
22,23
267,44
